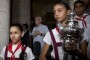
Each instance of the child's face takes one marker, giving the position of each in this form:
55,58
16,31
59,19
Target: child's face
15,34
60,12
79,9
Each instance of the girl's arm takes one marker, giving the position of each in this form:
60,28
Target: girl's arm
44,52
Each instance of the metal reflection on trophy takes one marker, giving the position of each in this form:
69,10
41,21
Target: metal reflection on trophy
71,34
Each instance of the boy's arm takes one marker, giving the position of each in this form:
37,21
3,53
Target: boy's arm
83,47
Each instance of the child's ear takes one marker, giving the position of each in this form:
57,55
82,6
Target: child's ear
22,34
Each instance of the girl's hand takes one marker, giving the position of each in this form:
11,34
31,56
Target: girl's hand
71,46
42,58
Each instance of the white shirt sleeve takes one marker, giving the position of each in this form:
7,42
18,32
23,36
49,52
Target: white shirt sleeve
88,32
30,55
3,52
47,38
85,37
88,19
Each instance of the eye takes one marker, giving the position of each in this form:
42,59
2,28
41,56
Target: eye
10,33
16,32
59,10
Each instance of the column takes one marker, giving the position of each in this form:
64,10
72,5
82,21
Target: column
4,22
21,11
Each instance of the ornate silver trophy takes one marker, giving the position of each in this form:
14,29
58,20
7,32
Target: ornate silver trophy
71,34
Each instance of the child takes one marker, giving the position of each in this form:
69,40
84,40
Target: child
16,50
84,21
61,11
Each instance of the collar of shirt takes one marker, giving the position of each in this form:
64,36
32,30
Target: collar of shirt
55,32
39,25
82,16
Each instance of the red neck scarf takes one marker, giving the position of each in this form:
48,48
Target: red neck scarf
10,50
58,30
84,23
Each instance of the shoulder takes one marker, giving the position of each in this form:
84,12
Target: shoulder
34,27
4,48
3,52
88,19
30,55
53,30
28,49
88,16
43,25
47,36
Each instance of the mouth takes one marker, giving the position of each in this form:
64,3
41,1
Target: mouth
57,18
13,39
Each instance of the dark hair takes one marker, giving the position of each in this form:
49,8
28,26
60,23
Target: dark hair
26,25
18,26
23,53
64,4
78,1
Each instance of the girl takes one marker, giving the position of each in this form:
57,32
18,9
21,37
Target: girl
16,50
61,11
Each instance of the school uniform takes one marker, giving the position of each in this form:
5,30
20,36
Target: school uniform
58,42
6,54
85,23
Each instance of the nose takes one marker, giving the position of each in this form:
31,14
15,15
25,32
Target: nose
56,13
12,35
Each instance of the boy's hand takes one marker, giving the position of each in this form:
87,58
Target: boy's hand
38,32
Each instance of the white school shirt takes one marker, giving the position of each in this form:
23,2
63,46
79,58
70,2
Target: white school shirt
87,19
87,32
57,36
88,35
28,51
80,22
48,40
43,29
